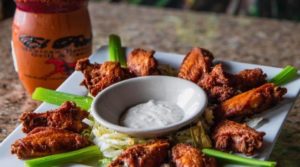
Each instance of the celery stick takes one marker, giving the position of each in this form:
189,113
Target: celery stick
57,98
77,156
116,52
237,159
286,75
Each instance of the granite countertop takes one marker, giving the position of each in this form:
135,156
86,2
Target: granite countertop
250,40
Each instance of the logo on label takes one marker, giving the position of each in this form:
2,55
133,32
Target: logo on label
32,42
77,41
60,66
60,53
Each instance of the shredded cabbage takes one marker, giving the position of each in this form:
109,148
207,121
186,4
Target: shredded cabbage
110,142
104,162
88,122
208,115
194,135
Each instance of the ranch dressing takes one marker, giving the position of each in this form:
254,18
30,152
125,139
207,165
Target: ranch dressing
152,114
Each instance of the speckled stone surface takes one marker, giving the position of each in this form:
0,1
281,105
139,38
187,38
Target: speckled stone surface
250,40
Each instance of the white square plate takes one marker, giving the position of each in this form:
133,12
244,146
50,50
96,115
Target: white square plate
275,115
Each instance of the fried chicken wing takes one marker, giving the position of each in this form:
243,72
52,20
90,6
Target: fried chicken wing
249,78
68,116
218,84
142,63
252,101
143,155
184,155
195,64
99,76
230,135
47,141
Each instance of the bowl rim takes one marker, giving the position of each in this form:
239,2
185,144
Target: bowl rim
162,129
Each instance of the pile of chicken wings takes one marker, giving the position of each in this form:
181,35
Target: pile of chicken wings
233,97
51,132
236,96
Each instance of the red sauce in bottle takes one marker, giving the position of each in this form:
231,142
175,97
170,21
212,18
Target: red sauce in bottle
49,36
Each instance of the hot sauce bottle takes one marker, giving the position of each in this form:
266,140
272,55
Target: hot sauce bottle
48,37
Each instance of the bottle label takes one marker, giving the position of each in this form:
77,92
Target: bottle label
61,54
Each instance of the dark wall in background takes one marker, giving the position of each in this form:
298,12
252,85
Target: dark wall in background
7,8
278,9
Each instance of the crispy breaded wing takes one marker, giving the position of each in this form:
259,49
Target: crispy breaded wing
99,76
143,155
47,141
85,66
218,84
184,155
142,62
249,78
252,101
68,116
195,64
232,136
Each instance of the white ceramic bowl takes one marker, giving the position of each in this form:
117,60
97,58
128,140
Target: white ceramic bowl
110,103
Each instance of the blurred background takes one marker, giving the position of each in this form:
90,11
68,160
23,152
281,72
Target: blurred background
259,41
277,9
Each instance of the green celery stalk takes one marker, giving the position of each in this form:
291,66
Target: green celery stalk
76,156
58,98
237,159
116,52
286,75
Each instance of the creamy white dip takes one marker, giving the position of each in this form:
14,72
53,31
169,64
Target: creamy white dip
152,114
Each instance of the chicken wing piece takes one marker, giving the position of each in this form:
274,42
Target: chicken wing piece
249,78
218,84
253,101
232,136
68,116
99,76
47,141
143,155
142,63
184,155
195,64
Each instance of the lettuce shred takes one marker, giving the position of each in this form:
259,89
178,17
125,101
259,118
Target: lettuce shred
110,142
